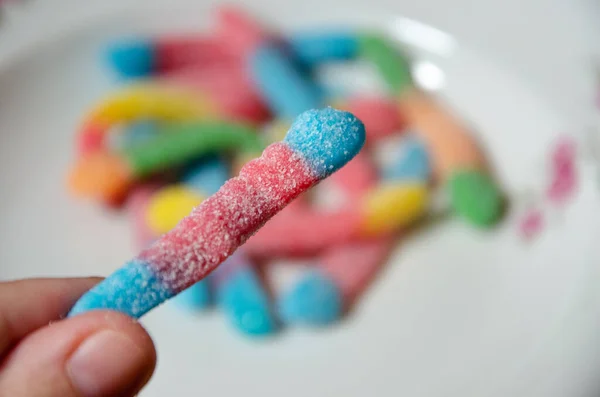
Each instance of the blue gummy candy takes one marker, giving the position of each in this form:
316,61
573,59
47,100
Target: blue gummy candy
132,58
315,300
285,87
411,163
194,298
326,138
245,302
314,49
207,176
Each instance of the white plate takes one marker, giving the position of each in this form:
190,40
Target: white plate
457,313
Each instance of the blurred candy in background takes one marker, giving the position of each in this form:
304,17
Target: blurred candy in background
194,109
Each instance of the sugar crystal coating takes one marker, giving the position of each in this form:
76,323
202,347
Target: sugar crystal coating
121,291
327,138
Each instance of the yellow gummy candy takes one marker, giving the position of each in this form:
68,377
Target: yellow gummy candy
390,207
152,101
170,205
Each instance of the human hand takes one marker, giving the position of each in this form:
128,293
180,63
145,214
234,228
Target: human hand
100,353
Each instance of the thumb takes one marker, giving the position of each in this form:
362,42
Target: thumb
100,353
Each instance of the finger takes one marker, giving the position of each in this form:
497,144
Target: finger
27,305
96,354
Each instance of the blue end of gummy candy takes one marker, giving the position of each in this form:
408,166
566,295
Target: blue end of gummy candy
194,298
287,89
133,58
314,49
133,290
411,164
246,303
315,300
207,176
327,139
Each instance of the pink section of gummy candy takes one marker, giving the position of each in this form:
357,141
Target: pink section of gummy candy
380,116
228,218
238,31
353,266
174,53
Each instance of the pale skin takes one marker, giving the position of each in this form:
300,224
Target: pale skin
100,353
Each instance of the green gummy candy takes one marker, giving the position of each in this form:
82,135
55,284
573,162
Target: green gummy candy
177,144
475,196
392,65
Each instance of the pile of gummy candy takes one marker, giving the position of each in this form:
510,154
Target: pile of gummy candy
194,109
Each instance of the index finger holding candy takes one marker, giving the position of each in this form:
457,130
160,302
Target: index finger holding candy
318,144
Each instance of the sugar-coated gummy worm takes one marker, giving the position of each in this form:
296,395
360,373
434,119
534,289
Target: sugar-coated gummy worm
318,143
103,175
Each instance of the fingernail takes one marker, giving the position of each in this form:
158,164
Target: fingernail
107,363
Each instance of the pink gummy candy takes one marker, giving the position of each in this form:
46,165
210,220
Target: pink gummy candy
564,173
137,205
173,53
228,85
90,138
303,233
238,32
353,266
380,116
355,178
531,224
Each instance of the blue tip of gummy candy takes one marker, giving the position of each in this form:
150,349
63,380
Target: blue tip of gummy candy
246,303
133,58
194,298
314,49
315,300
327,139
287,89
133,290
